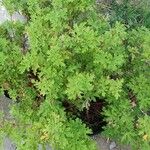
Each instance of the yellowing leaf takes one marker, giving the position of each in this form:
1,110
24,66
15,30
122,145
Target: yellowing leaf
45,137
145,137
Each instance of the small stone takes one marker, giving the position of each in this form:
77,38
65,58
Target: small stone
8,145
112,145
16,16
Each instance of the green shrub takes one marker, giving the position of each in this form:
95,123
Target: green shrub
132,13
75,55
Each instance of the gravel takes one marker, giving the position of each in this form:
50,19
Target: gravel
112,145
